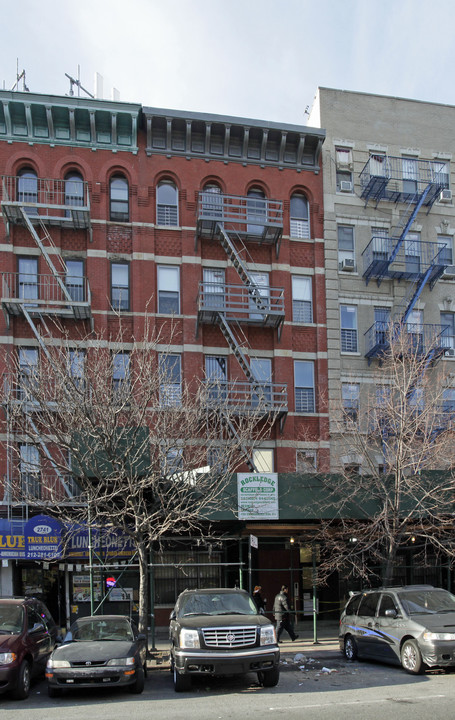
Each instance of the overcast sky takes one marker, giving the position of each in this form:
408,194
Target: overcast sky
259,59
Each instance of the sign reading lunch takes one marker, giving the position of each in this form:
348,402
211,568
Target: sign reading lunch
257,496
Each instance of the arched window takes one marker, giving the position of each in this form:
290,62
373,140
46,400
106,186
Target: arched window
119,200
256,208
212,201
300,218
27,189
167,204
74,189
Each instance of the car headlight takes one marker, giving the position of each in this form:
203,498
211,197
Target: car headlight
268,635
189,639
52,663
122,661
7,658
428,636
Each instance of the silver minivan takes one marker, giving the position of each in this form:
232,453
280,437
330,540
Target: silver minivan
412,625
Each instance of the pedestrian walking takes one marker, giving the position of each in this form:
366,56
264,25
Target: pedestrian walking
282,614
259,600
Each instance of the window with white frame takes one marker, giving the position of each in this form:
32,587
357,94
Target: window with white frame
414,327
119,199
304,386
343,161
167,204
172,461
76,364
120,370
74,279
448,400
28,372
299,216
378,164
168,289
413,253
120,286
346,250
379,237
348,324
302,299
410,174
350,400
30,471
448,330
170,376
445,245
262,283
263,460
442,172
214,287
306,460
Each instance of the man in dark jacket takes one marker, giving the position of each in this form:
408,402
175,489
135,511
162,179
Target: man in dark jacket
282,614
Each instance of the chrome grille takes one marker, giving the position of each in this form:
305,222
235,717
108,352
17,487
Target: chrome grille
229,637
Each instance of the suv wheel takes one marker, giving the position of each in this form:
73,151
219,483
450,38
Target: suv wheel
22,689
411,657
269,678
181,682
350,648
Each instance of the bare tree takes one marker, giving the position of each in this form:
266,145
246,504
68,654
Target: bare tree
123,442
396,487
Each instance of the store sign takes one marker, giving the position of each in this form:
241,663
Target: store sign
107,544
257,496
43,538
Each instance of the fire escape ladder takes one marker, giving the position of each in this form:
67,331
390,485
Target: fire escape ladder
242,270
235,347
232,431
406,220
40,243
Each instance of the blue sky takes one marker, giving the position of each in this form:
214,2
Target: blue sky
249,58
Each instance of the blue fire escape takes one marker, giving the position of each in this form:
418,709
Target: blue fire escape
418,184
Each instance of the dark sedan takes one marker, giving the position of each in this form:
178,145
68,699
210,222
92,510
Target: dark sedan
99,651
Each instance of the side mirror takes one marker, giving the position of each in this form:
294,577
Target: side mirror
391,613
172,616
38,627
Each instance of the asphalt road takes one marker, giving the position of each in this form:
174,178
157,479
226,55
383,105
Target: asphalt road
314,683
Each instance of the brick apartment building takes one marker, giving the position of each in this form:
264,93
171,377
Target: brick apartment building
112,205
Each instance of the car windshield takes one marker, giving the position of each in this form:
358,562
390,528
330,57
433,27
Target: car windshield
217,604
86,630
11,619
427,602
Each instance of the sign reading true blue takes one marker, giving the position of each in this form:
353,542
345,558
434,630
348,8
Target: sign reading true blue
43,538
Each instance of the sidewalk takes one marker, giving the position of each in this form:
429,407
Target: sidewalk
326,648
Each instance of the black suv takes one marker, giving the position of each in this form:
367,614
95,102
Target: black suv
28,635
219,632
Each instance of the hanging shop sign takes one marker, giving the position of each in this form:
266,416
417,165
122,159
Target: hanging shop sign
43,538
257,496
107,544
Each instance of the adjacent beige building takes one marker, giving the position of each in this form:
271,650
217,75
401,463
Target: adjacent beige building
389,228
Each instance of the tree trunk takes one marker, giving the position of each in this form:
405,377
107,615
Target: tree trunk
143,586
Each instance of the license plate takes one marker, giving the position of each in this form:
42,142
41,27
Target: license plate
69,681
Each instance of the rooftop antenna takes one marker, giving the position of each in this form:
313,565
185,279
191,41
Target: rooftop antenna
19,77
78,84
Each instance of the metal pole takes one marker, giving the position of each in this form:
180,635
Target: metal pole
315,628
250,588
151,570
90,557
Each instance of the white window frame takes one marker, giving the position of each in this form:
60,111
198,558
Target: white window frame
168,282
302,299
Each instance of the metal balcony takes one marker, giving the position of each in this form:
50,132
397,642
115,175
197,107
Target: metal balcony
254,219
402,179
54,202
42,294
41,490
236,302
244,398
410,261
424,339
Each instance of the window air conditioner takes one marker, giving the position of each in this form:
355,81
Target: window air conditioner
449,272
346,186
445,196
348,264
450,352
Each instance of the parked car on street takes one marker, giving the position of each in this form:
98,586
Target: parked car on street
99,651
28,635
219,632
413,625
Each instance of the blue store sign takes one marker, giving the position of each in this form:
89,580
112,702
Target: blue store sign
43,538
